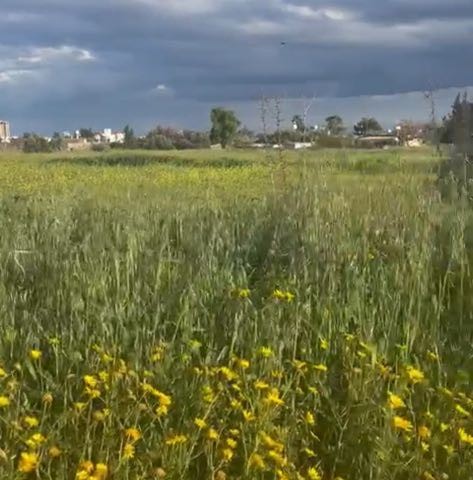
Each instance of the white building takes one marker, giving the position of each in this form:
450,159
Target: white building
5,134
108,136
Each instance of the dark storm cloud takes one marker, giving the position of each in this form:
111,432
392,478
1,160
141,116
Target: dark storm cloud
144,61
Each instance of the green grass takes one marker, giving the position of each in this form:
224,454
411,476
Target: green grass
133,267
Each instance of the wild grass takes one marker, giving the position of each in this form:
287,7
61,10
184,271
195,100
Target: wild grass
243,320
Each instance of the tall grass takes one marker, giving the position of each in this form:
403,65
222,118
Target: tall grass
280,317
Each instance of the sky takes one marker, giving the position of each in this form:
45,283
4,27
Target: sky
66,64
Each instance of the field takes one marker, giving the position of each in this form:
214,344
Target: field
234,315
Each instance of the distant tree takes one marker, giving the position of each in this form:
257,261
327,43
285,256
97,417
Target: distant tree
458,125
86,133
366,126
33,143
334,125
130,139
57,142
224,126
298,123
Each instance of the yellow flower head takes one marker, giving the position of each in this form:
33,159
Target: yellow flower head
4,401
227,454
395,402
272,398
231,443
261,385
128,451
424,432
266,352
321,367
47,399
415,375
313,474
309,418
35,354
31,422
176,440
200,423
28,462
256,462
133,434
461,410
465,437
54,452
90,381
101,471
36,440
402,424
212,434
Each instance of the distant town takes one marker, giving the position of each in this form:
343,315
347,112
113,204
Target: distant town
227,130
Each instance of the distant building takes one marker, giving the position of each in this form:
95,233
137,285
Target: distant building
78,144
5,134
108,136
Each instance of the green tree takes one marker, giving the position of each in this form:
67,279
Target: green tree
298,123
33,143
366,126
224,126
130,139
86,133
334,125
57,142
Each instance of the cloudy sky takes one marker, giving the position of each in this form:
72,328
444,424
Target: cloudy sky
71,63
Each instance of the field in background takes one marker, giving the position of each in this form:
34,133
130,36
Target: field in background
239,315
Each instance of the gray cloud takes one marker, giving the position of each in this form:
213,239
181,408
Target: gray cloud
65,63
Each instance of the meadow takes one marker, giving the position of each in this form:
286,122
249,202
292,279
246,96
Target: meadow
234,315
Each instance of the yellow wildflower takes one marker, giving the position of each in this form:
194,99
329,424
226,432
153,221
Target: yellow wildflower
101,471
395,402
273,398
424,432
54,452
270,443
4,401
427,476
133,434
128,451
309,418
465,437
415,375
79,406
176,440
31,422
243,363
200,423
277,458
313,474
266,352
309,452
35,354
248,416
227,454
228,374
28,462
261,385
402,424
212,434
444,427
324,344
90,381
2,373
256,462
47,398
462,411
234,432
231,443
36,440
321,367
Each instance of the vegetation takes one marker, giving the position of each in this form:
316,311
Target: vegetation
224,126
189,315
367,126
